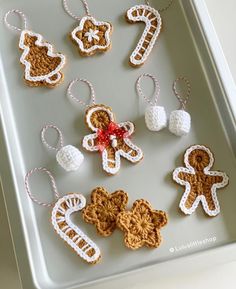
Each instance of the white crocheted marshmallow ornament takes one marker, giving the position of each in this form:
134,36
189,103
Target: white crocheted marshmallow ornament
70,158
155,117
180,122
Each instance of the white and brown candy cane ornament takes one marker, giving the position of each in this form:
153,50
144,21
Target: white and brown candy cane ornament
61,221
90,35
155,116
68,157
180,120
109,138
153,24
42,66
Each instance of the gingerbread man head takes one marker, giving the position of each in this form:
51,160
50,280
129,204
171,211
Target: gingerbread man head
98,117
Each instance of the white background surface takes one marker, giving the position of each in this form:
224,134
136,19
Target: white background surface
223,16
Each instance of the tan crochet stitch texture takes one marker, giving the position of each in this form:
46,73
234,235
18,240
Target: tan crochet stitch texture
141,225
201,184
41,63
104,208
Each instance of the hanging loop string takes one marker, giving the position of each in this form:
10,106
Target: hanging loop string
65,5
59,144
183,100
156,92
164,8
92,92
53,184
23,19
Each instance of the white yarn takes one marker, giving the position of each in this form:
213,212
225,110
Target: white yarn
70,158
155,117
73,203
180,122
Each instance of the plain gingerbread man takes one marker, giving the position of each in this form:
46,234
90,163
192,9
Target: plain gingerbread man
200,183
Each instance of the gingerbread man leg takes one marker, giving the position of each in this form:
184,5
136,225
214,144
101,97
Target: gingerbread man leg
110,160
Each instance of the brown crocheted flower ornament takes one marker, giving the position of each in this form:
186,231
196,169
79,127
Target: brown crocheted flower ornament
104,208
142,225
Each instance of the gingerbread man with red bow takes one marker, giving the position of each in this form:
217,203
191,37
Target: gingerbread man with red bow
110,138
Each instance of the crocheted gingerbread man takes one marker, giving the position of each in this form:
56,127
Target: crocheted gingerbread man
200,183
110,138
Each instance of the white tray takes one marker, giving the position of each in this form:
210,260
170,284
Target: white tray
187,46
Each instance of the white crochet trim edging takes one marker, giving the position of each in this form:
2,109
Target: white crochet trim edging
190,170
40,42
75,203
96,23
147,21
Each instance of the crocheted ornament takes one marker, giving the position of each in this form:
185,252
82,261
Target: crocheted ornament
90,35
68,157
180,122
112,140
70,233
155,116
141,225
62,210
199,181
104,208
42,66
152,19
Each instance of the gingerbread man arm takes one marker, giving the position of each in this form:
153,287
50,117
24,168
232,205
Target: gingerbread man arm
89,142
181,175
128,126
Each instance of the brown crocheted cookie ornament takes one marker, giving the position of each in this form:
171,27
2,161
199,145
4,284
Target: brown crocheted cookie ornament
92,36
111,139
42,66
104,208
199,181
141,225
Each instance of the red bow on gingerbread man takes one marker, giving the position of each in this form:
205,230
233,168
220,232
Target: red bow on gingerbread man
110,138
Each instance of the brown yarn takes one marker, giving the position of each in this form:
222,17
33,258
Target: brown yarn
41,63
201,184
104,208
141,225
88,24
